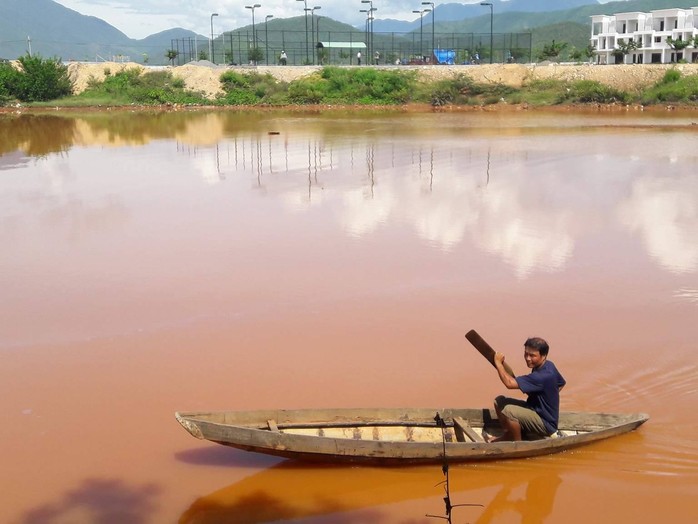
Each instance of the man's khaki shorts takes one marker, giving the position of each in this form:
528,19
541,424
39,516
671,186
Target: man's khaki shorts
530,421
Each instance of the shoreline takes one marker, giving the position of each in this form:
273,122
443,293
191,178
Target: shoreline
403,108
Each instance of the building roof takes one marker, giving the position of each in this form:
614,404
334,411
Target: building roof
342,45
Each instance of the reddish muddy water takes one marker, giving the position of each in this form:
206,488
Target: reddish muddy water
203,261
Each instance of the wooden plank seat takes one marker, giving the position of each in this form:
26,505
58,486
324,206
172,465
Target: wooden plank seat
463,429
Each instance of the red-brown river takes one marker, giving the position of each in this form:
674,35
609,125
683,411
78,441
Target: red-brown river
156,262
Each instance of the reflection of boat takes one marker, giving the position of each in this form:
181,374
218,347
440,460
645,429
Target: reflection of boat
294,491
392,436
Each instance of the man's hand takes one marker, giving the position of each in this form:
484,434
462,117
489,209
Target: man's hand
499,358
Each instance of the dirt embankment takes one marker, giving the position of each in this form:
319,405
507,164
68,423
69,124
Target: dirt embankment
204,76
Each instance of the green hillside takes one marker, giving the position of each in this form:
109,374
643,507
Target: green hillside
54,30
51,29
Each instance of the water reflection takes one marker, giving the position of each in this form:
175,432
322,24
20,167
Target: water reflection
525,201
100,500
665,213
292,491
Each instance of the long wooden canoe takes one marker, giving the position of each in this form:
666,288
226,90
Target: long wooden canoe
393,436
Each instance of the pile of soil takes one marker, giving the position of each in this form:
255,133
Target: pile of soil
204,76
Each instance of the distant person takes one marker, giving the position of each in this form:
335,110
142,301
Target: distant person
358,58
376,57
283,58
477,58
537,416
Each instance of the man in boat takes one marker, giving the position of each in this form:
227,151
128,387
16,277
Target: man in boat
537,416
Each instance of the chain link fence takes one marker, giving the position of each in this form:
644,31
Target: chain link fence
342,48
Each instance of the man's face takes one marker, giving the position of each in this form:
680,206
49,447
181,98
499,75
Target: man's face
533,358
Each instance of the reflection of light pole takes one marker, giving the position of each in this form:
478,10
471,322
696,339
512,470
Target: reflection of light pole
266,36
305,12
433,24
210,44
421,27
491,22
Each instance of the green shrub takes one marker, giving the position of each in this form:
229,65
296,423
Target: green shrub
671,76
591,91
543,92
671,89
8,81
133,86
38,79
252,88
307,90
366,86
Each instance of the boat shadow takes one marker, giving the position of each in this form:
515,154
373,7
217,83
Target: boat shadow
292,490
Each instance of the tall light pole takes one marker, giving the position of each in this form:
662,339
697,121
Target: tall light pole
369,22
368,14
312,27
210,44
266,36
254,35
491,22
305,12
421,27
433,24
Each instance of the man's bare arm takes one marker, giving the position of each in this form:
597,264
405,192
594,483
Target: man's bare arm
506,378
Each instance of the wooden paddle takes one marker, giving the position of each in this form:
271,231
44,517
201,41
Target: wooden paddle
485,349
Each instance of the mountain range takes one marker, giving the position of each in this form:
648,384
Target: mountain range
50,29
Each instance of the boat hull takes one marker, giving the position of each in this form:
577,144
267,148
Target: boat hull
392,436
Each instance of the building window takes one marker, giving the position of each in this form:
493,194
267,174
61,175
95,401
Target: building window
656,58
661,25
657,39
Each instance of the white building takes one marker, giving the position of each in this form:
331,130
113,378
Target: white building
649,31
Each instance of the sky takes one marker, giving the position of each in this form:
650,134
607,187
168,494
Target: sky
141,18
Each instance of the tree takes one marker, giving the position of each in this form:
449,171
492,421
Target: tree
552,51
678,46
203,54
171,54
41,79
622,48
518,53
322,56
255,54
579,55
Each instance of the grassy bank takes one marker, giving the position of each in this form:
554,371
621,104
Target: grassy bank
365,86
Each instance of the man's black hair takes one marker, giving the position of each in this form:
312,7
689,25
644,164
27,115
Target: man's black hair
539,344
